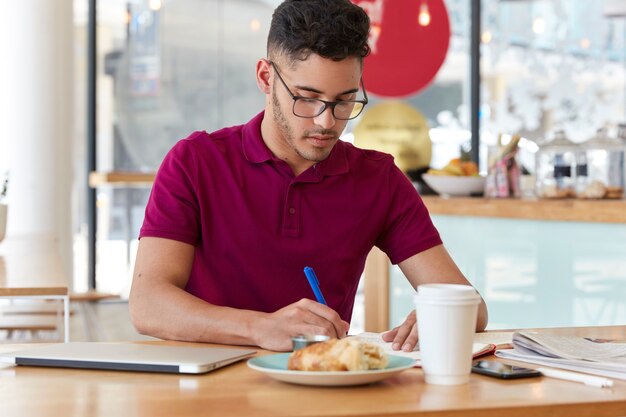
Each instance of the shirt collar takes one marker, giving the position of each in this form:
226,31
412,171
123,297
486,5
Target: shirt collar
337,161
256,151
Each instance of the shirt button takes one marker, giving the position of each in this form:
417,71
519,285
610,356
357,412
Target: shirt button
292,210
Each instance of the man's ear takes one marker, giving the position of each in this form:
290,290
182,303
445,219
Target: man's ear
263,75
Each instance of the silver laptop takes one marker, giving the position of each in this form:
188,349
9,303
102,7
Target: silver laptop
128,357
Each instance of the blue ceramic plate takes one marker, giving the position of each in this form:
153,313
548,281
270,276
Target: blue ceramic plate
275,366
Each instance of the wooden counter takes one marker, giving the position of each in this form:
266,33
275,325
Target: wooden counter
572,210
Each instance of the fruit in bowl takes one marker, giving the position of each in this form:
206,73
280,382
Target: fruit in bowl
457,178
457,167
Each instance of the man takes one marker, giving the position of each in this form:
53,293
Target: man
234,216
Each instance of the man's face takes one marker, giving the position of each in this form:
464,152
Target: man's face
312,139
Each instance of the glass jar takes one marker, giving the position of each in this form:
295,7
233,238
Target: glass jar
603,158
556,167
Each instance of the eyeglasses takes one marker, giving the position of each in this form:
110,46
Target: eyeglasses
312,107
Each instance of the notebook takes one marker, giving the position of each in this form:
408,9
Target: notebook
127,357
478,349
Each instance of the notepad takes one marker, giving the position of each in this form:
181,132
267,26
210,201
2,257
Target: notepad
127,357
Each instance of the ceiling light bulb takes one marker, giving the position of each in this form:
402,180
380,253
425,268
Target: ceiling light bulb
424,15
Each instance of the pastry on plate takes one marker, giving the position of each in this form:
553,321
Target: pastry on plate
348,354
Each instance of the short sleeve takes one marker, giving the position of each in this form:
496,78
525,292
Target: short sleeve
173,210
408,227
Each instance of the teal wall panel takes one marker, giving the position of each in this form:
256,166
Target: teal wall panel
534,273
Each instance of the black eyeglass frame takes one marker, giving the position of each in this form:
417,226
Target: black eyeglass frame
325,103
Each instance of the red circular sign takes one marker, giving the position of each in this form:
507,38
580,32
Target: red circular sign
406,53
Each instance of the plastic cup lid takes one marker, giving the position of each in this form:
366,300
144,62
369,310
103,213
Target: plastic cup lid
447,291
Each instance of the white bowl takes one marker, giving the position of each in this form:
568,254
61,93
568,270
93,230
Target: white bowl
452,185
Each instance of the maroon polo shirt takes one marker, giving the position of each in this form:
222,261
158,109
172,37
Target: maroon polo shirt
255,226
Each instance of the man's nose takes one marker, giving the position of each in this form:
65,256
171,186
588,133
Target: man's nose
326,118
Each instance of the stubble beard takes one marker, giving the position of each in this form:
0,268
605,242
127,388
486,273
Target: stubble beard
314,155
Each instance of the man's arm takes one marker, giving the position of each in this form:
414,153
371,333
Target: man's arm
160,306
430,266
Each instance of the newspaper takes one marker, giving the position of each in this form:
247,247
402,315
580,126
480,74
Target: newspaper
593,356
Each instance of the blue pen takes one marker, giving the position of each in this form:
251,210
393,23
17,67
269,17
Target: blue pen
315,284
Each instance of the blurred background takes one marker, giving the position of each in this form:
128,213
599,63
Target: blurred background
164,68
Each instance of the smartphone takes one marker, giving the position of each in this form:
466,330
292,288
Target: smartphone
502,370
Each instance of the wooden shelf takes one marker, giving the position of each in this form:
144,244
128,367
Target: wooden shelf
569,210
120,178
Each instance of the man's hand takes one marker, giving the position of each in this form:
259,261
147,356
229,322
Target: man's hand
404,336
306,317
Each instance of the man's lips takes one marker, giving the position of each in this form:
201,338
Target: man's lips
322,140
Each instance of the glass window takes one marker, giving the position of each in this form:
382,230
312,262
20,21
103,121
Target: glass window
549,65
165,69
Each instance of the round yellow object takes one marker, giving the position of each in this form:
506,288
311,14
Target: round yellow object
399,129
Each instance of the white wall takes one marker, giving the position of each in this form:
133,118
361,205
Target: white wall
36,126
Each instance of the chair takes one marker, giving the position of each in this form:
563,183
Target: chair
33,317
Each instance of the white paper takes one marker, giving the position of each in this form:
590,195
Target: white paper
377,339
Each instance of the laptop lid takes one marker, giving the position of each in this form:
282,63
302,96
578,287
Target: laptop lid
128,357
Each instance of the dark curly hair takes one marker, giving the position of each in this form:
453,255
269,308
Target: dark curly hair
332,29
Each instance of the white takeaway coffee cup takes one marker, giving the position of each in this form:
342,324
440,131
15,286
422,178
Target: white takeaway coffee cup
446,323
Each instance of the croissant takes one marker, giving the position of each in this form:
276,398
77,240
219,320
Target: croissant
347,354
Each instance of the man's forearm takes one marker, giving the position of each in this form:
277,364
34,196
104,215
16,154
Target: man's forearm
168,312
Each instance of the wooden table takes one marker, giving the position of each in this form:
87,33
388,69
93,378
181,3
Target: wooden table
239,391
30,268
